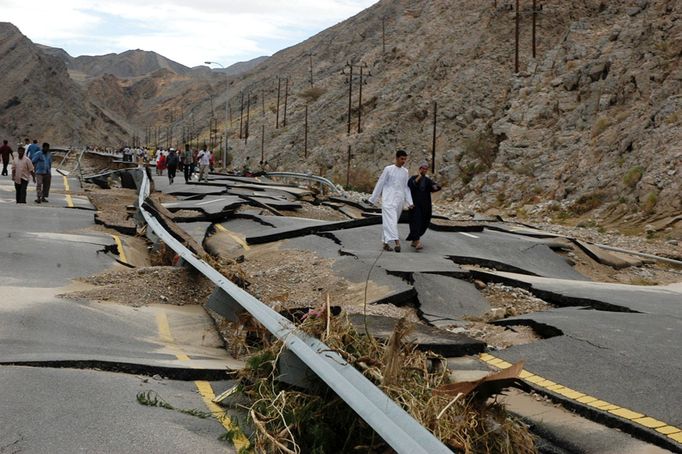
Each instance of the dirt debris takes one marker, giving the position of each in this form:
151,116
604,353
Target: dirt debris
291,279
112,205
147,285
321,212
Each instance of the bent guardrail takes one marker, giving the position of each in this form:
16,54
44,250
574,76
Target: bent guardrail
305,176
402,432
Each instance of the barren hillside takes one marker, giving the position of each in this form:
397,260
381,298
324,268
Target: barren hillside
591,123
39,100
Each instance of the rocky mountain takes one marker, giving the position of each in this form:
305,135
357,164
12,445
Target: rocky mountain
242,66
39,100
590,125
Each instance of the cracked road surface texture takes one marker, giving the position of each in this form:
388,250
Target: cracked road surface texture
616,342
89,360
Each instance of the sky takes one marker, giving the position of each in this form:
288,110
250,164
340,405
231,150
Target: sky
188,32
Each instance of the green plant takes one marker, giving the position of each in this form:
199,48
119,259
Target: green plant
632,177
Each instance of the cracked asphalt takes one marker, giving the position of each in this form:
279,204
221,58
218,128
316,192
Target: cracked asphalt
70,371
611,342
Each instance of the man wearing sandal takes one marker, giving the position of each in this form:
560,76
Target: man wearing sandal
394,193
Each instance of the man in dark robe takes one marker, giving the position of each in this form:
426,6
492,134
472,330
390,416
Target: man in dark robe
421,188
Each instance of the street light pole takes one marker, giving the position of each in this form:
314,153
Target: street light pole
227,97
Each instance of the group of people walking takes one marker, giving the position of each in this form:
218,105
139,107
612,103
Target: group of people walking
32,162
397,188
188,161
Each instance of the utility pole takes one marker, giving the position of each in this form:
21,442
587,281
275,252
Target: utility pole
241,115
350,68
286,99
433,145
262,130
279,89
360,103
310,59
350,97
348,168
516,40
534,20
227,101
305,137
248,110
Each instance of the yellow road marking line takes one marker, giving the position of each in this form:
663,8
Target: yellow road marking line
67,190
119,245
167,338
668,430
239,439
234,236
205,390
671,432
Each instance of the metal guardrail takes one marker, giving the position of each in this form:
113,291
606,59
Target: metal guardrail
402,432
305,176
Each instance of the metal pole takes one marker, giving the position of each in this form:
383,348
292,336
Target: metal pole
433,145
360,104
279,88
248,111
350,94
516,42
348,169
305,137
534,18
286,100
262,145
310,57
241,115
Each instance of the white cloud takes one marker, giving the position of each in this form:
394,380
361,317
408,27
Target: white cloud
189,33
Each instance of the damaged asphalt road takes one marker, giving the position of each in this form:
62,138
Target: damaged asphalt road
617,343
89,360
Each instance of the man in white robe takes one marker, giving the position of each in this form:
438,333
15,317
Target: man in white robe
394,193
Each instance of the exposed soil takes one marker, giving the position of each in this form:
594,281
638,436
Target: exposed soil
112,205
289,279
148,285
321,212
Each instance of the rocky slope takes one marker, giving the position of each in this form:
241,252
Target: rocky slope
593,122
39,100
589,126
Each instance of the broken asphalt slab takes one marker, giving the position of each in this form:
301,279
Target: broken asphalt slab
211,205
425,337
445,300
651,299
488,248
406,263
626,359
68,333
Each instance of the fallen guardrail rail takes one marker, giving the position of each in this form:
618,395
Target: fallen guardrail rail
306,176
402,432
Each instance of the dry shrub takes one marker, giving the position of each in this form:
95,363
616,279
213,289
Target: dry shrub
162,256
632,177
311,94
589,202
649,203
315,420
600,126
